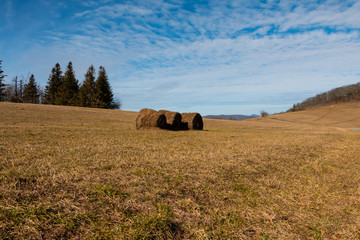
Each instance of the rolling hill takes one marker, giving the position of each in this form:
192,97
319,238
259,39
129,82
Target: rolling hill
344,115
344,94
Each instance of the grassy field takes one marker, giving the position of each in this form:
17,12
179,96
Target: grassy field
78,173
340,115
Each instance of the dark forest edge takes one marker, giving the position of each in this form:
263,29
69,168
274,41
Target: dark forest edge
62,89
344,94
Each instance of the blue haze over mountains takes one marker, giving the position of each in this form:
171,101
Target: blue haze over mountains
237,117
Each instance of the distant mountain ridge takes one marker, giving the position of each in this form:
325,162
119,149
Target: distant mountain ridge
236,117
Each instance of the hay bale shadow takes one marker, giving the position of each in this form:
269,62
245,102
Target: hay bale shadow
173,120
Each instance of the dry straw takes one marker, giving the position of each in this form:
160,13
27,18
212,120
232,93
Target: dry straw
194,120
173,119
148,118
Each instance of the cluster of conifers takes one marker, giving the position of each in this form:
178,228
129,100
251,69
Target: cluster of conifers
149,118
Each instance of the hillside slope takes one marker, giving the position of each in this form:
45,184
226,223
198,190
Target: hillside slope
344,94
345,115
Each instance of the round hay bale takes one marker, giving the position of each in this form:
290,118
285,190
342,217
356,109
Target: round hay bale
148,118
194,120
173,119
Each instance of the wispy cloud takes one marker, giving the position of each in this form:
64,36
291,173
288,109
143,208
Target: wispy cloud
115,11
6,16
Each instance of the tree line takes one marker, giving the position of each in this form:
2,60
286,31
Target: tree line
349,93
26,91
62,89
2,85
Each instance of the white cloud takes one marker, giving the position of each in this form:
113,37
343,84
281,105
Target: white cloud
6,16
115,11
326,15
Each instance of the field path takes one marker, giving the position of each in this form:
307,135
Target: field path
325,115
285,121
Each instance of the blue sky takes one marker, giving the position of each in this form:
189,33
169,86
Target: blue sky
212,57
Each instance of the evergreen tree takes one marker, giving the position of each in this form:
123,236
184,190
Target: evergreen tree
87,95
31,91
2,85
103,90
69,88
53,85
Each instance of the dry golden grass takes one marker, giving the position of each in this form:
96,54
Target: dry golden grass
346,115
71,173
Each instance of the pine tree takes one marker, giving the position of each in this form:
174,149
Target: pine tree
103,90
53,85
2,85
31,91
69,88
87,95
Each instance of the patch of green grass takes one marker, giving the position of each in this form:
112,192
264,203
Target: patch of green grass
240,187
105,190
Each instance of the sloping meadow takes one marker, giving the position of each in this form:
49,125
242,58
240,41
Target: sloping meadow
68,172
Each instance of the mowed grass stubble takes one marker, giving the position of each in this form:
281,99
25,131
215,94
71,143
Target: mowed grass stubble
68,172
